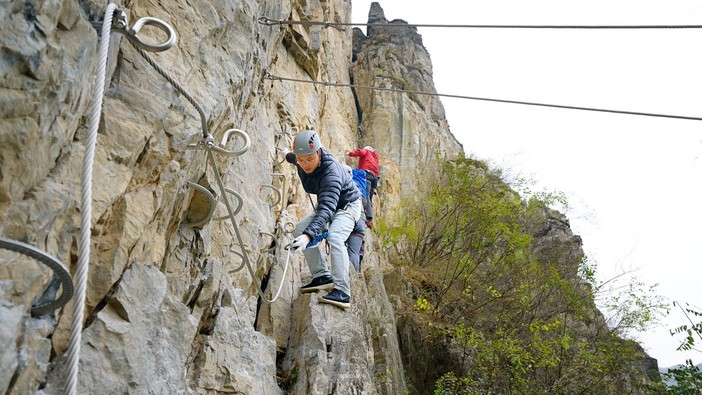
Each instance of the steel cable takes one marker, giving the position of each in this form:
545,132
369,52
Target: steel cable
86,207
176,85
647,114
270,22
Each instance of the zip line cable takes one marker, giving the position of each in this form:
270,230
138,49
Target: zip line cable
325,83
264,20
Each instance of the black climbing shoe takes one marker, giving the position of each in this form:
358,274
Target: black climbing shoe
319,283
337,298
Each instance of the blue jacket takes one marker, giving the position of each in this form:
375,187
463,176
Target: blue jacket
333,186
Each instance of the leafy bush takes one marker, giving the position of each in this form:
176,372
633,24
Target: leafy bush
521,321
686,379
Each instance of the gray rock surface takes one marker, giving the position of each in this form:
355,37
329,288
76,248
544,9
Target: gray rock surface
171,308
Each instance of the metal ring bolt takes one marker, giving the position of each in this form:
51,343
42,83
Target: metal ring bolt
121,25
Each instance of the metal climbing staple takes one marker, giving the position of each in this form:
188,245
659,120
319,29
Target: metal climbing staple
288,141
272,236
207,143
239,205
210,211
213,205
278,194
281,191
54,264
285,229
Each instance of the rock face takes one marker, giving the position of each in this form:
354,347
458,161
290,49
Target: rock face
411,128
172,308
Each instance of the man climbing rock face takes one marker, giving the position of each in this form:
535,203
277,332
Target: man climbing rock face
338,205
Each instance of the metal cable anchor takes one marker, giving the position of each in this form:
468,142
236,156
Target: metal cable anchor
208,143
120,24
264,20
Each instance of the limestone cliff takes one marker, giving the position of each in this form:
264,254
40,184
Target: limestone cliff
167,311
411,128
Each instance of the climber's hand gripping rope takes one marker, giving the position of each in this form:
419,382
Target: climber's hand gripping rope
300,243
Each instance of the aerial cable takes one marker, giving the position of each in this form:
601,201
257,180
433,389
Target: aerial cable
270,22
325,83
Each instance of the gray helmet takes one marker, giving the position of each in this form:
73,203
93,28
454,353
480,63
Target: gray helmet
306,142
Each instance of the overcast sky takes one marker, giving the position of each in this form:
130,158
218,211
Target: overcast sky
633,182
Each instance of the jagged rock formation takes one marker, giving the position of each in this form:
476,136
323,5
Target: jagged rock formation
166,310
411,128
170,308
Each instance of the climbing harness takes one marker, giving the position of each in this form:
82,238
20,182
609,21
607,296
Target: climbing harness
54,264
375,88
264,20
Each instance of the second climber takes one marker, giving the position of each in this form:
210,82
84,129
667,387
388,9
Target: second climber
368,161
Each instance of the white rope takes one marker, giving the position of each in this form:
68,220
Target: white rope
282,281
86,207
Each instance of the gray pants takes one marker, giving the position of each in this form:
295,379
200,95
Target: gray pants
340,227
355,243
371,184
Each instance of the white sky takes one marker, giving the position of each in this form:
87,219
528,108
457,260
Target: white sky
633,182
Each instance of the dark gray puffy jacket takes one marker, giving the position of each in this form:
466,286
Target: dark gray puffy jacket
333,186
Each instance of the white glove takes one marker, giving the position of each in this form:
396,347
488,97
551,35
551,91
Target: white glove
285,151
300,242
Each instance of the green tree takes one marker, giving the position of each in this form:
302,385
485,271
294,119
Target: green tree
519,317
686,379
